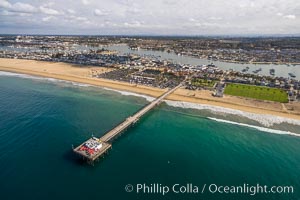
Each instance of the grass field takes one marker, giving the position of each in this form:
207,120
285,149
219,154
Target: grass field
257,92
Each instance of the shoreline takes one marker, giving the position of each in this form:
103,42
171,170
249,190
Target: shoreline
67,73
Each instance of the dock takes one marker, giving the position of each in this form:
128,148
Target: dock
94,148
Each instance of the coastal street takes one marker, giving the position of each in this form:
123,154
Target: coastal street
129,99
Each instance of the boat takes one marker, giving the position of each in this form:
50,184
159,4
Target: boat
256,71
245,69
272,72
292,75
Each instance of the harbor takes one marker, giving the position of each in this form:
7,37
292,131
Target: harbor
130,99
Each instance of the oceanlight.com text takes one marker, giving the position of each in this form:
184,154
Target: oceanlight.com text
189,188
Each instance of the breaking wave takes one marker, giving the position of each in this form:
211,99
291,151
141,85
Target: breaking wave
264,119
148,98
43,78
264,129
2,73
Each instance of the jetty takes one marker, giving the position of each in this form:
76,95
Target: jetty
94,147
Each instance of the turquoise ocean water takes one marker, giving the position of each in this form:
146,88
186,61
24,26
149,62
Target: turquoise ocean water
41,119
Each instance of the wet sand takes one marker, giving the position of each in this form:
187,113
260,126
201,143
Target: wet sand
83,74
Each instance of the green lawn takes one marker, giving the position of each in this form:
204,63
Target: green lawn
257,92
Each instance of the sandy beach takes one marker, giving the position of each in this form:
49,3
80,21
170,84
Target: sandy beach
83,74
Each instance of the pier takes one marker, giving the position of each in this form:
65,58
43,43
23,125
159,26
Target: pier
94,148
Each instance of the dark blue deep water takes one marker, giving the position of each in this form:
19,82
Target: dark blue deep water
40,120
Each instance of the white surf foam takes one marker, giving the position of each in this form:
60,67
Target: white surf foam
148,98
264,119
256,127
2,73
80,84
42,78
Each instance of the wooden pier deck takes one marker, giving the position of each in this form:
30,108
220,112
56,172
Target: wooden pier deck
105,140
